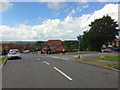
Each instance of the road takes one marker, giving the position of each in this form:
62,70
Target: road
48,72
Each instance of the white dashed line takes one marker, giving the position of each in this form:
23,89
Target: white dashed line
38,59
46,62
60,58
63,73
65,58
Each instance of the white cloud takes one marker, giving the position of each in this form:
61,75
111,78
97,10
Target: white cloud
58,13
83,1
56,5
102,0
4,5
26,21
72,12
40,19
66,29
66,10
85,6
78,9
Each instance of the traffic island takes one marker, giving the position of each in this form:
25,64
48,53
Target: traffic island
109,65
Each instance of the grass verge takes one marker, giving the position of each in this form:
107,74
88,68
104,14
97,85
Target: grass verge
33,54
80,52
98,63
38,54
2,60
108,58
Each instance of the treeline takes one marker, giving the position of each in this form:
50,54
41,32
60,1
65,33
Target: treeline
102,31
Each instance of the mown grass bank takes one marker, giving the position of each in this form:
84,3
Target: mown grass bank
3,59
108,58
99,63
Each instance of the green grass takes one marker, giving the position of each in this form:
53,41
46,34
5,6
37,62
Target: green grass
38,54
98,62
2,60
55,53
109,58
81,52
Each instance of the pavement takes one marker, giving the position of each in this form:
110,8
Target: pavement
82,55
49,72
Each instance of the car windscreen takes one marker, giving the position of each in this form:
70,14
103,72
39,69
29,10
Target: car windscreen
14,51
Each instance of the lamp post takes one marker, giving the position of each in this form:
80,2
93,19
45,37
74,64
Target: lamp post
79,38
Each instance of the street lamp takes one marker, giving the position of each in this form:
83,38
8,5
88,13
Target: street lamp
79,38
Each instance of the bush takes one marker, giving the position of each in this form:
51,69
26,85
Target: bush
4,52
21,51
114,46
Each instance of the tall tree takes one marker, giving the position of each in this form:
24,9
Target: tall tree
39,44
101,31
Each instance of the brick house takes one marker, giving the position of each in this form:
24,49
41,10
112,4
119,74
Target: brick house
114,42
56,46
21,47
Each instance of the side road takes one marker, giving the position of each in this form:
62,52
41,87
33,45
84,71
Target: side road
89,59
82,55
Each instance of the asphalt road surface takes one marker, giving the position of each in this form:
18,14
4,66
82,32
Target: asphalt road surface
48,72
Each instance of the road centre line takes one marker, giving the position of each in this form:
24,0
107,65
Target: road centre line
63,73
46,62
60,58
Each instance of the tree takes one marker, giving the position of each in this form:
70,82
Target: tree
71,45
101,31
39,44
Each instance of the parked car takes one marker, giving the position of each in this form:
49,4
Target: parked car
116,49
106,50
27,51
14,53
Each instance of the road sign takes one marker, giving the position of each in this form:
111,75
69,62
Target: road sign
79,37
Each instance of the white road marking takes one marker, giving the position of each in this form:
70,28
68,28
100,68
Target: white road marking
63,73
60,58
65,58
38,59
46,62
75,56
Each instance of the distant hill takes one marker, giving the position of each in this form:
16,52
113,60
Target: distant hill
19,42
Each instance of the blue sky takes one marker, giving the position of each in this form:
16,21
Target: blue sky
51,20
21,11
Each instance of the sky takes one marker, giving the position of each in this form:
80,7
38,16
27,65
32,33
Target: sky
28,21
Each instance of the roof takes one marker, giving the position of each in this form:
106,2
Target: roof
58,42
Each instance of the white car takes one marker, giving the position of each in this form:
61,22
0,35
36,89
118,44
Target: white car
26,51
14,53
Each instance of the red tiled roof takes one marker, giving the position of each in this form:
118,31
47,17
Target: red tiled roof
57,48
57,42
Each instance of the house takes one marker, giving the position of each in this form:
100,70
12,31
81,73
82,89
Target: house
56,46
115,42
21,47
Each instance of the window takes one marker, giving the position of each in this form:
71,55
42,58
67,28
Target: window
50,45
